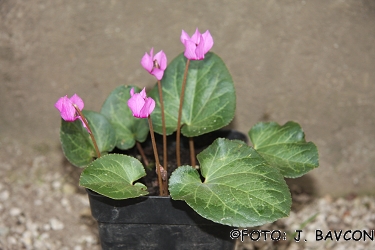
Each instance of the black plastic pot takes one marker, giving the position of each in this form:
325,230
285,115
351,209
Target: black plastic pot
154,222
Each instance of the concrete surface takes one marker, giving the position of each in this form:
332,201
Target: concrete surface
307,61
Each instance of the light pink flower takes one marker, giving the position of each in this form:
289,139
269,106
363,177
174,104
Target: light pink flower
67,110
198,45
155,65
140,105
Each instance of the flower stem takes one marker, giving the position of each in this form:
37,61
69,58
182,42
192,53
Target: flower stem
192,152
165,155
89,130
162,191
140,149
178,133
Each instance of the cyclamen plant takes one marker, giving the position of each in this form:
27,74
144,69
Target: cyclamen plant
234,184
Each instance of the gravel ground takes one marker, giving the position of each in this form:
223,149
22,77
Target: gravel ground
316,219
41,207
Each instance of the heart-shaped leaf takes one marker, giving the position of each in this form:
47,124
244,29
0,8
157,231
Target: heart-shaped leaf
76,141
209,100
239,189
128,129
113,176
285,148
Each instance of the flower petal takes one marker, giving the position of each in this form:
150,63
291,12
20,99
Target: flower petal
136,103
147,62
148,107
140,105
59,104
198,45
77,101
208,41
190,50
67,111
161,58
143,93
184,36
196,37
199,51
158,73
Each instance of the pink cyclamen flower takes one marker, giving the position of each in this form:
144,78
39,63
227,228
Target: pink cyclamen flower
155,65
67,110
198,45
140,105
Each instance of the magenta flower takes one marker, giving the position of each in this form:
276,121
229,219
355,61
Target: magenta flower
198,45
155,65
67,110
141,105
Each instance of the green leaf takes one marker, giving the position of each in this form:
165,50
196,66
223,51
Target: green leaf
209,101
240,189
128,129
113,176
76,141
285,148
